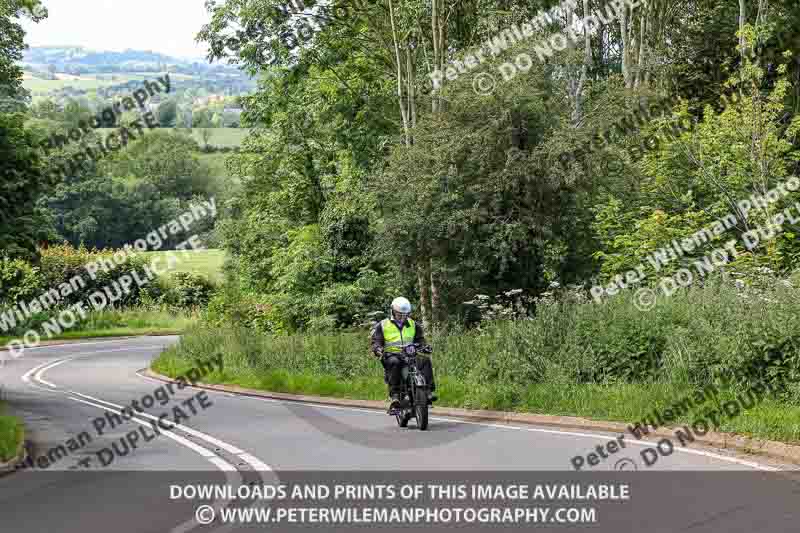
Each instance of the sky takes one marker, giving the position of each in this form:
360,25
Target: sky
164,26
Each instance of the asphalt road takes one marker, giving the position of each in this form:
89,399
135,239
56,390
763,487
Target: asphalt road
69,395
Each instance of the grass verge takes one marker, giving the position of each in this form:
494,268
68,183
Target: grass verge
470,374
627,403
123,323
11,435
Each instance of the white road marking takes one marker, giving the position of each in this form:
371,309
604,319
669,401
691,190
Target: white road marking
37,371
207,454
37,374
222,464
233,476
79,344
594,436
257,464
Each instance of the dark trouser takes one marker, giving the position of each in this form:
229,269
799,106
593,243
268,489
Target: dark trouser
394,371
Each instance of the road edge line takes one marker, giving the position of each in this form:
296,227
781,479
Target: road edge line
747,446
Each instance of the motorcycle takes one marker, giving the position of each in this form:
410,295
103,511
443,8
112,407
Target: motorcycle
414,396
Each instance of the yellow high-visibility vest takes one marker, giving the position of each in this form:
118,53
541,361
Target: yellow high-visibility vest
394,339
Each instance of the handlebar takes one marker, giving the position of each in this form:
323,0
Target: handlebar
410,350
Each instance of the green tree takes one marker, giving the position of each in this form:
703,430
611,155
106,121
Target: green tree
356,162
201,118
12,95
205,135
216,120
231,120
166,159
46,109
101,211
75,112
168,114
701,175
23,181
128,118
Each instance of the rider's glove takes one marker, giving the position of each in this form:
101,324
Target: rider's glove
378,351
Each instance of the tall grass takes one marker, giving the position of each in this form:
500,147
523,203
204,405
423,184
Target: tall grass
138,318
608,361
11,435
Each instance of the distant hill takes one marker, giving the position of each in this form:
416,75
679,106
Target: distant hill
71,71
77,60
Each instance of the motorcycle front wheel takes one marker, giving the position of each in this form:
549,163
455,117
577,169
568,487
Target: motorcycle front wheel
421,408
403,418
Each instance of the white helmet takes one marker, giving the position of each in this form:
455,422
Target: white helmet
401,308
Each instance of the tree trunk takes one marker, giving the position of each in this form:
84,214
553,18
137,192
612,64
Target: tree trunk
623,27
422,285
742,20
577,111
436,303
412,97
439,47
400,78
643,28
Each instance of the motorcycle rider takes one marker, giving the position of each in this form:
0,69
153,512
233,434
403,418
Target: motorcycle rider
389,337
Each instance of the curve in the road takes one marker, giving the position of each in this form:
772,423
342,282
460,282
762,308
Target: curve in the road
35,377
313,414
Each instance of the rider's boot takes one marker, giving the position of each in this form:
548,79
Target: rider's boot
396,398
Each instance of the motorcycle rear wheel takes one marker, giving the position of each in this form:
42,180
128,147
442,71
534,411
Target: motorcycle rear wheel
421,408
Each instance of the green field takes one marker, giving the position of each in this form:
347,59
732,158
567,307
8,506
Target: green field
44,86
216,162
128,322
205,262
220,137
152,75
93,81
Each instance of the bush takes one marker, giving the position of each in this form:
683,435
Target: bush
705,335
19,280
186,290
63,263
62,280
232,305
